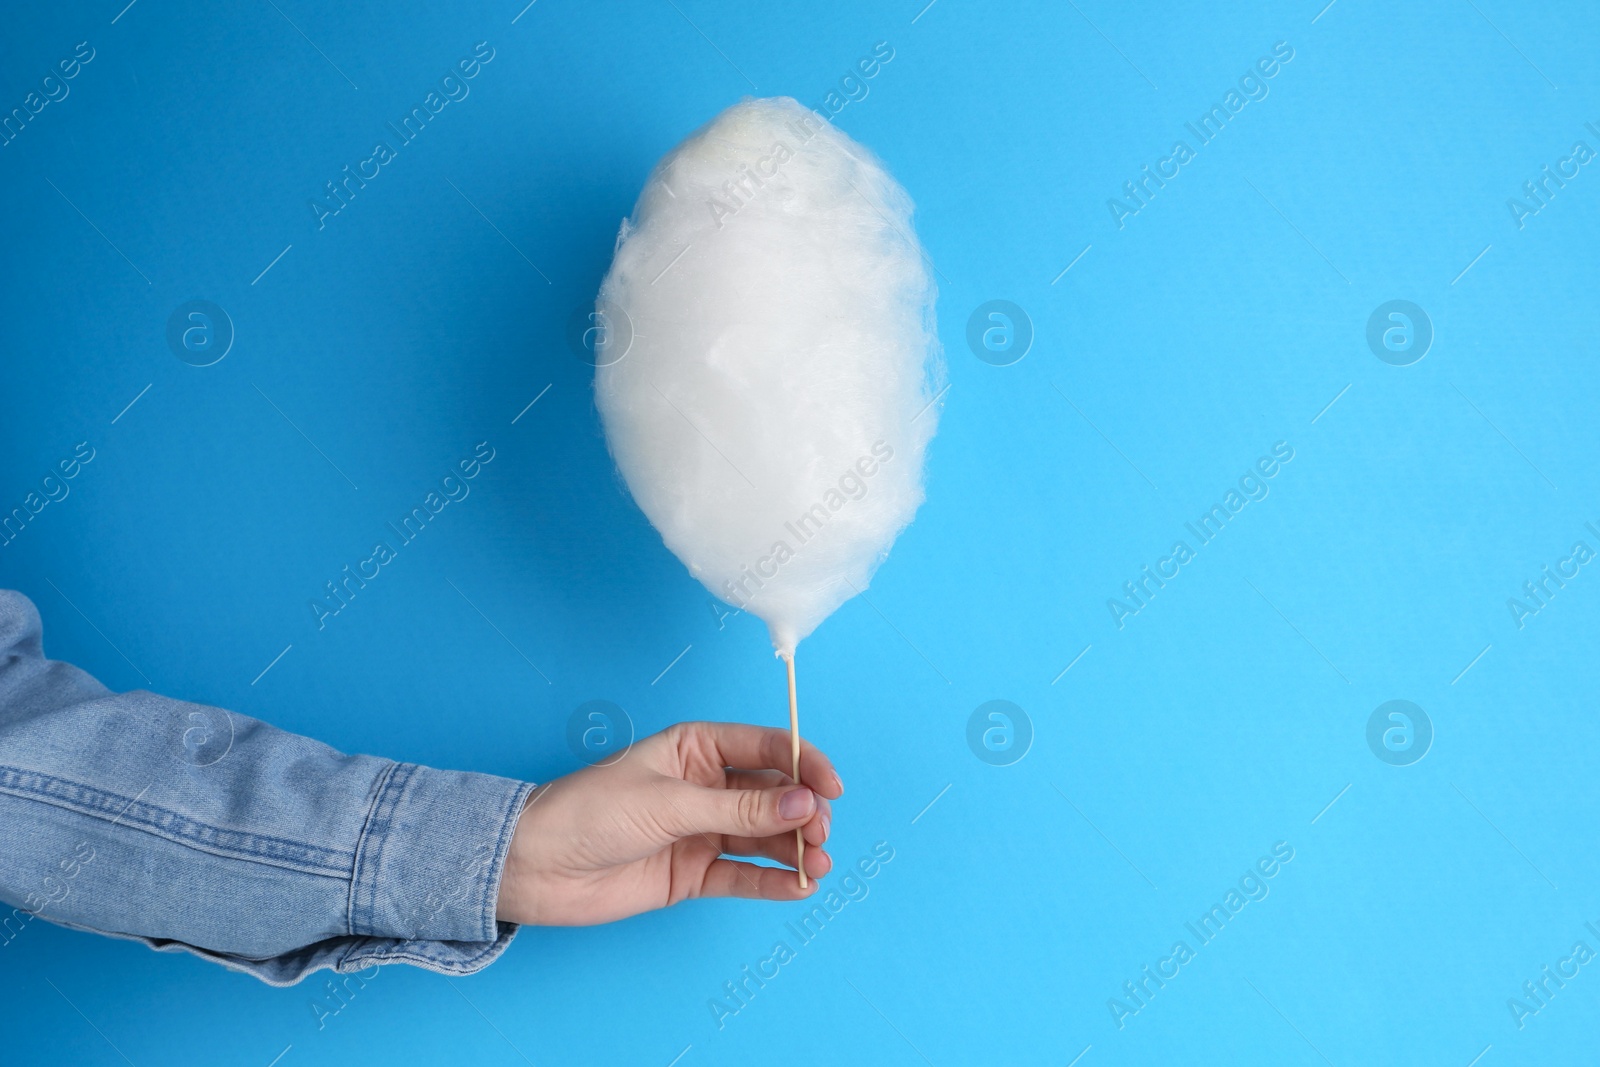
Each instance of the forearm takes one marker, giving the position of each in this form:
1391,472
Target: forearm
189,826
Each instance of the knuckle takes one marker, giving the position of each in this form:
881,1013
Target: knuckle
748,809
680,732
661,824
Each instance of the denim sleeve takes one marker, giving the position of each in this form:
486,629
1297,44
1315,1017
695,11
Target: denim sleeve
193,828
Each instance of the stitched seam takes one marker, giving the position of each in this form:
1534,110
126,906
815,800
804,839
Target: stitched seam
491,883
391,803
377,837
361,847
376,955
161,822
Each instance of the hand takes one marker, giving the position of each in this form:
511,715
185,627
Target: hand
650,829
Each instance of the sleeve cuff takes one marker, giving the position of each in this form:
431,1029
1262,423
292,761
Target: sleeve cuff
429,863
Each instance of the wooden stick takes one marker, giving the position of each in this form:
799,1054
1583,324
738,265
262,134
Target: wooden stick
794,752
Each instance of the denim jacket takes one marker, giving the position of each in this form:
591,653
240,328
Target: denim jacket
193,828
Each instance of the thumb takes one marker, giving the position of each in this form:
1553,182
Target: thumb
741,812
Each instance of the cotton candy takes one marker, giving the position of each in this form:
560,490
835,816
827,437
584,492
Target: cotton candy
768,373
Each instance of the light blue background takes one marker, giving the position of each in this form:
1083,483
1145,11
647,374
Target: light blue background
1224,316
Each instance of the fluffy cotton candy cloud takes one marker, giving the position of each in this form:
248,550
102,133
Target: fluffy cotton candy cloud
782,342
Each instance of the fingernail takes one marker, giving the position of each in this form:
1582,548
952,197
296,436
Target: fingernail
795,803
827,821
838,782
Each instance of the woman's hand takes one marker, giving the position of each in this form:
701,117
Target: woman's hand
650,829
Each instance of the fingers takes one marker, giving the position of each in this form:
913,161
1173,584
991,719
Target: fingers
742,745
780,848
816,830
731,878
694,809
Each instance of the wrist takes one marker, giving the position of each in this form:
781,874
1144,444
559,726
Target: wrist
513,903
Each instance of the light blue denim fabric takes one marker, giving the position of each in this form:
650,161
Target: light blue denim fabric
192,828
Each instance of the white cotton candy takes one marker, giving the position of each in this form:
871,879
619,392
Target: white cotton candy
769,367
